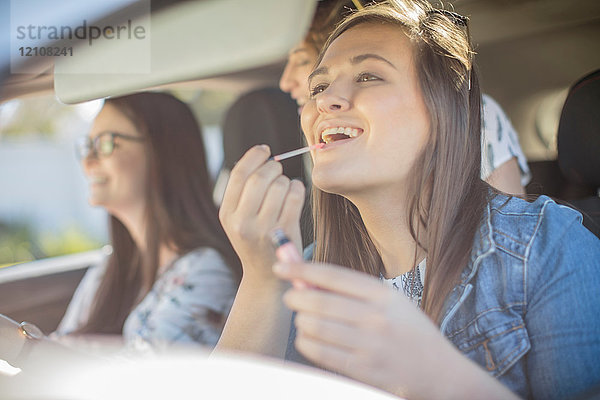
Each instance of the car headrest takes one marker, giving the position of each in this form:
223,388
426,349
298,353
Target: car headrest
264,116
579,132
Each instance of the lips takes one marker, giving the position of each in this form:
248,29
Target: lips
332,134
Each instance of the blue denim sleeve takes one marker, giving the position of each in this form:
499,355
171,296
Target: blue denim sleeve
562,306
291,353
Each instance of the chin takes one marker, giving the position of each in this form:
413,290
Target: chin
96,202
333,182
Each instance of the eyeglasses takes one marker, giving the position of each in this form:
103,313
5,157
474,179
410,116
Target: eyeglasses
102,145
460,21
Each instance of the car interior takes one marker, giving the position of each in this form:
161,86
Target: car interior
532,56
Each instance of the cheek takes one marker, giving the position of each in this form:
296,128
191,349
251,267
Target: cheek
402,122
138,174
399,132
131,172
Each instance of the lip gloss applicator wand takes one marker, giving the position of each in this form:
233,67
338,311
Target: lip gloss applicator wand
297,152
287,252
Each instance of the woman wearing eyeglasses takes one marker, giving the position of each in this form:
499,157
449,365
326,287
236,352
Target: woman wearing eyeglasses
172,274
426,282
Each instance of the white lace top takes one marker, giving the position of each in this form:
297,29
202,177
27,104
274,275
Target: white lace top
410,283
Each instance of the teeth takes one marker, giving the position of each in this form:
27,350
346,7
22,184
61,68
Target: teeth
97,179
350,132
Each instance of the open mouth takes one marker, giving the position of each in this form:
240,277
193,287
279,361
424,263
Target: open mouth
97,179
331,135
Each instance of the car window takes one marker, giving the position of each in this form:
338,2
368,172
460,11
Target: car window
44,211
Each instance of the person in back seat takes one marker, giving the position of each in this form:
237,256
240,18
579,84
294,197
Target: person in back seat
503,163
172,274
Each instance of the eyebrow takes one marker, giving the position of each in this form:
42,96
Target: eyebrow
362,57
354,60
299,50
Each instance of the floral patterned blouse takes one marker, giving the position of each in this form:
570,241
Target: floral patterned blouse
188,303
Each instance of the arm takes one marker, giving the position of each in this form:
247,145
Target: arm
358,327
507,178
563,299
257,200
79,307
503,163
258,321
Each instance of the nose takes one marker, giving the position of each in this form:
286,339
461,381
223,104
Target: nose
90,158
286,82
328,102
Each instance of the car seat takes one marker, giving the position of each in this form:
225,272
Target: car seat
264,116
579,148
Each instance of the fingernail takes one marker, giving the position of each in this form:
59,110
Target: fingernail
280,268
265,147
298,284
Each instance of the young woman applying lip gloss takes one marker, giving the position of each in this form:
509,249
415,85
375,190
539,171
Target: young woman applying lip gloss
426,282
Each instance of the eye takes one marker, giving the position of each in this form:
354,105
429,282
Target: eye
318,88
367,77
302,63
106,145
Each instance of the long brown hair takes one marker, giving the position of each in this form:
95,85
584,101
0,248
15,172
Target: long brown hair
447,194
179,209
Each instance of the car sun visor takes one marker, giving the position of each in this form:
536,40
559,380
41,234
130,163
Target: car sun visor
189,40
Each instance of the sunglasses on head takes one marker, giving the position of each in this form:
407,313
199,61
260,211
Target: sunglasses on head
456,18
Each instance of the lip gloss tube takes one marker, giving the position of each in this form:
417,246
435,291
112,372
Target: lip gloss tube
285,251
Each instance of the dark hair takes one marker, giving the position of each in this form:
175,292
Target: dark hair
448,195
179,208
328,14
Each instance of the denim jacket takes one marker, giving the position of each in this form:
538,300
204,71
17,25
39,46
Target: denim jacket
527,308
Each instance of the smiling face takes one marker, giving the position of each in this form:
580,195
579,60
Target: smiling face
367,105
117,181
294,79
